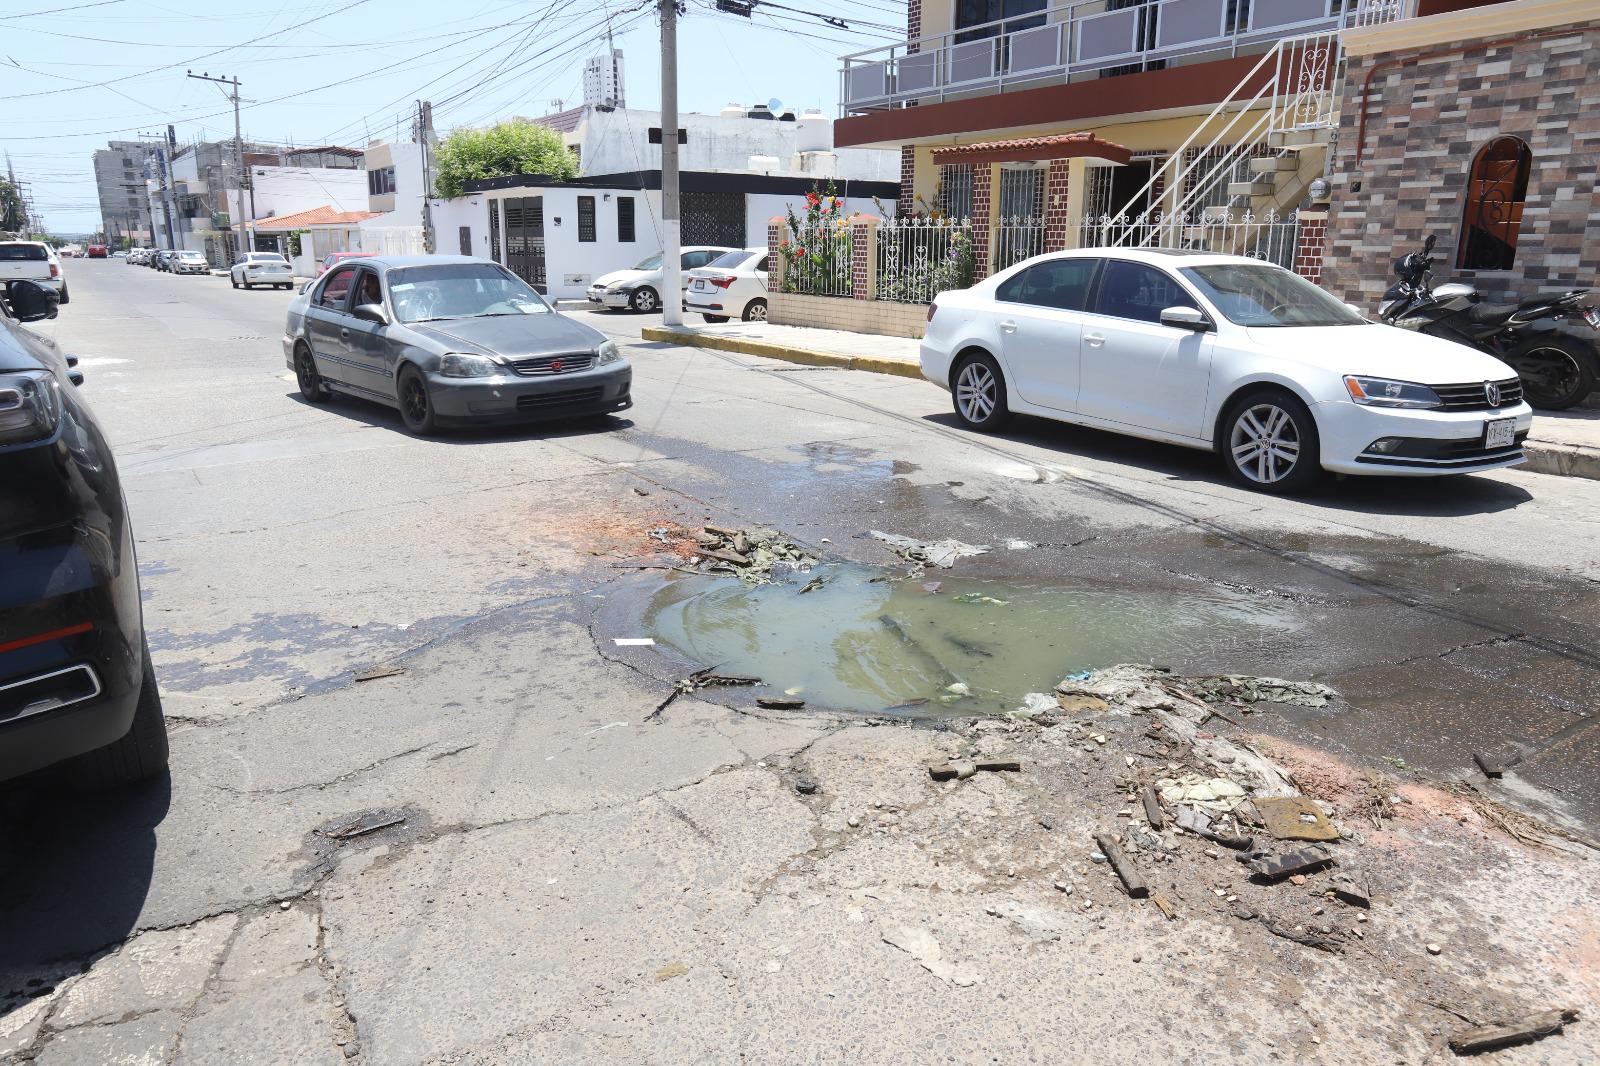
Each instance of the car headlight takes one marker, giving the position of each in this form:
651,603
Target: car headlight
617,286
30,407
467,366
606,353
1381,392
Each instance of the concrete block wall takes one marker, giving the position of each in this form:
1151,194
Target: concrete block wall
854,316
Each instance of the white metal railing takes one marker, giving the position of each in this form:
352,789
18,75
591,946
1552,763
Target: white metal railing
1073,37
817,259
1270,236
918,258
1295,90
1016,238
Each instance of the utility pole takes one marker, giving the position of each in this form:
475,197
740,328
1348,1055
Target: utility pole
246,224
672,291
424,139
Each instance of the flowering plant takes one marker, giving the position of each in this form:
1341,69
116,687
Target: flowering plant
817,260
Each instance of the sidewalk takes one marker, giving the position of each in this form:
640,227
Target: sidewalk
1565,443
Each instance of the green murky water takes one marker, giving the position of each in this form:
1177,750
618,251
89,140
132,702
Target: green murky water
864,645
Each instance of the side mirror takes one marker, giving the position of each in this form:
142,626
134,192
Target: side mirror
1188,318
72,360
1427,245
31,301
372,313
75,376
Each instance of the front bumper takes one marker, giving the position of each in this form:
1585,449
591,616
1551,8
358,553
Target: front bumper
462,401
190,268
610,299
1435,443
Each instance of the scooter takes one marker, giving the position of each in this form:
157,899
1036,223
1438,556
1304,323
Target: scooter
1557,369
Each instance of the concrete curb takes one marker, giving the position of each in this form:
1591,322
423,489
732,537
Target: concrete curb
1563,460
871,364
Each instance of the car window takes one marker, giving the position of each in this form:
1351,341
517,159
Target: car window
1059,283
731,260
368,289
336,289
23,253
649,263
697,259
1139,292
1252,294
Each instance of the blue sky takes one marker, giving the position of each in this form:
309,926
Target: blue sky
75,73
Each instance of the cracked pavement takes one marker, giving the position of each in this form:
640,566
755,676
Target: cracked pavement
573,883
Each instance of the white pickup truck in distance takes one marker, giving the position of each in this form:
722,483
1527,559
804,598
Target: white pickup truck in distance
32,261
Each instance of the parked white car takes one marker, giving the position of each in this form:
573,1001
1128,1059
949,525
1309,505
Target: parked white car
187,262
1223,353
640,287
262,268
731,286
32,261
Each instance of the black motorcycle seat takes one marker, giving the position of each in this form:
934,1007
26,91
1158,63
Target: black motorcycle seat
1487,314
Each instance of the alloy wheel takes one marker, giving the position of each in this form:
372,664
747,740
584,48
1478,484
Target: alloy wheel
414,399
1265,443
976,393
757,312
645,300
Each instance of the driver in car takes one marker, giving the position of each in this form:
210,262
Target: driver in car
371,291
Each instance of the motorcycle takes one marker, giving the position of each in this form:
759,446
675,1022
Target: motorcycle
1557,369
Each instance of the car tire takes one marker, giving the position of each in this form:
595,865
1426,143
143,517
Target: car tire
1556,372
714,318
312,388
978,391
233,281
1268,442
65,299
138,756
755,311
644,300
416,406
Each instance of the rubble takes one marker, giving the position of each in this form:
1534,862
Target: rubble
1126,871
942,554
1522,1030
1277,867
1237,687
750,554
1294,818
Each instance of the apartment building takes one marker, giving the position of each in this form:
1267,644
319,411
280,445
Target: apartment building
120,171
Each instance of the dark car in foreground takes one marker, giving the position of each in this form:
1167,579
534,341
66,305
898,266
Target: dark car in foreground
449,340
76,683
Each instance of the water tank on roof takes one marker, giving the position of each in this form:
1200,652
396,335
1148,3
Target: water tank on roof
759,111
786,115
732,111
813,132
764,163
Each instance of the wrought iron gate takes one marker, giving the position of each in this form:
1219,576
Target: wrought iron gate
525,240
715,218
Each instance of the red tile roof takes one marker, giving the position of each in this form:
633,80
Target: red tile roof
317,216
1056,146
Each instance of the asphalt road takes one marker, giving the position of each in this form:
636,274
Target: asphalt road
284,546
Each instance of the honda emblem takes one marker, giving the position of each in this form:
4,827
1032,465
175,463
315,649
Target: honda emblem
1491,392
555,368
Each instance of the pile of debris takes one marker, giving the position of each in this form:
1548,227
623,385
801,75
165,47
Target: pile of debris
749,554
921,554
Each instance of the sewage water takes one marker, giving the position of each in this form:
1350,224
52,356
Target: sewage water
873,642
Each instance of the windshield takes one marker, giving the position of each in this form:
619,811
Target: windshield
460,290
649,264
1251,295
731,260
189,257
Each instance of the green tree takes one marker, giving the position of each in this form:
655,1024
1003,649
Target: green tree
501,151
12,214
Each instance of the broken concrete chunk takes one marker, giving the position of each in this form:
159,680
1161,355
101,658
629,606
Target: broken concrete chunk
1294,818
1152,808
1521,1030
921,945
1246,689
942,554
1075,704
1350,887
1277,867
780,703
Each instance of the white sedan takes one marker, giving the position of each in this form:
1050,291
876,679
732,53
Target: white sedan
262,268
733,286
639,287
1223,353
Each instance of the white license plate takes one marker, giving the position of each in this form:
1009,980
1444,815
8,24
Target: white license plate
699,285
1500,433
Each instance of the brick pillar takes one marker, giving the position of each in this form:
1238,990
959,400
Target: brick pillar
908,180
775,229
982,180
1056,213
863,257
1311,238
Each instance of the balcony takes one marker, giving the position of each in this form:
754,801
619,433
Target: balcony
1079,41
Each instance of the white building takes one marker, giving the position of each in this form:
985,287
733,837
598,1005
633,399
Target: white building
396,191
602,79
560,236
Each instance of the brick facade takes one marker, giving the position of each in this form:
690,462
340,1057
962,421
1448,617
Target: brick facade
1429,112
1055,206
981,185
1310,245
863,272
775,228
908,180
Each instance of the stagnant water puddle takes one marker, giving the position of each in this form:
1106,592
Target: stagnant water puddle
871,641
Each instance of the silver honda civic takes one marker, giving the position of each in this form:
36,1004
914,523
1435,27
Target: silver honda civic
449,340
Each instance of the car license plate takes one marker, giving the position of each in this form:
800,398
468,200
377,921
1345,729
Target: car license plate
699,285
1592,316
1500,433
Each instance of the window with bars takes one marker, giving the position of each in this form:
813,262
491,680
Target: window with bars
955,190
586,234
494,231
625,225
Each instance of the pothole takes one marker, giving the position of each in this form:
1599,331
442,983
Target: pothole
855,638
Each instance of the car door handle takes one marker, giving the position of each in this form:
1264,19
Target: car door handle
344,334
1095,339
1009,327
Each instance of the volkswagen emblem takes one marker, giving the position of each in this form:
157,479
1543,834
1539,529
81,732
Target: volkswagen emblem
1494,397
1491,392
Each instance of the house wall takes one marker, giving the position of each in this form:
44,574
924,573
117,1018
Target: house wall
1434,101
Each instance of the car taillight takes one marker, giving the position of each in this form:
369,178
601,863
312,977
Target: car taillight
723,282
932,307
55,270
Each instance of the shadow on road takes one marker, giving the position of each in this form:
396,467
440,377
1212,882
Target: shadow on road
75,869
381,417
1443,497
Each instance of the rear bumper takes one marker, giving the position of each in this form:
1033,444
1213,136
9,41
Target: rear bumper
273,277
464,402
